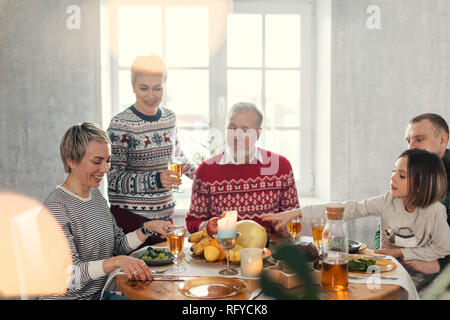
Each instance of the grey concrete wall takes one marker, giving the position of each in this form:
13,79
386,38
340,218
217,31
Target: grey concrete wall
49,80
381,79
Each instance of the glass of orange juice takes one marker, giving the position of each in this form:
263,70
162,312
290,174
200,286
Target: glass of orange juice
295,227
176,164
317,225
175,240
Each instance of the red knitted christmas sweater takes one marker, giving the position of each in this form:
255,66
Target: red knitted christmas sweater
251,189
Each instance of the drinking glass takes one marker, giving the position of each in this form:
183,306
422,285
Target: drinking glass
295,227
227,244
317,225
176,164
175,239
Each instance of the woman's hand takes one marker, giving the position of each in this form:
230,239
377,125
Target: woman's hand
395,252
169,179
158,226
135,269
280,220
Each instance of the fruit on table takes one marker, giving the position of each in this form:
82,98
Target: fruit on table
211,226
199,247
211,253
196,237
253,235
216,244
235,253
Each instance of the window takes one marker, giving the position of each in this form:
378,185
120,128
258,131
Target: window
219,53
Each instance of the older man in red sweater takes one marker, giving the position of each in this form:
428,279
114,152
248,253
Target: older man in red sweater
245,178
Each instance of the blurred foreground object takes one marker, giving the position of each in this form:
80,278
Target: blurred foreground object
440,287
298,260
34,253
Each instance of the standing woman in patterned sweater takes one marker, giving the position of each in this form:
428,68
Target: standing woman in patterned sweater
97,245
144,138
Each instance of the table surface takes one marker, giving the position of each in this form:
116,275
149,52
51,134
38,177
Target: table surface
169,290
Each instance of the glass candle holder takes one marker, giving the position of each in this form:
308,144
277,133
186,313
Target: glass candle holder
251,262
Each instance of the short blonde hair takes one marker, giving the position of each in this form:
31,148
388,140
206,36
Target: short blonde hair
152,65
76,140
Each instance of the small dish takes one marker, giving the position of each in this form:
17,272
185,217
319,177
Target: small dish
354,246
139,253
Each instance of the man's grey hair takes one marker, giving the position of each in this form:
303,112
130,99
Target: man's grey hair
245,107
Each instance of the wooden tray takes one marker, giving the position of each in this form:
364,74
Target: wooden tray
281,274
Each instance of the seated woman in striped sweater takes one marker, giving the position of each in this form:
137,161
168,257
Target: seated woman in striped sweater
98,246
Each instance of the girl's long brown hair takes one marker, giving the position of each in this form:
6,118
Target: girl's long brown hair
427,180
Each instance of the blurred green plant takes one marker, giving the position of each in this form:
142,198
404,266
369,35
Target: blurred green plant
206,149
297,261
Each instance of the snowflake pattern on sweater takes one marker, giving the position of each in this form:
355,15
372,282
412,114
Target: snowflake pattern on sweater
141,148
242,187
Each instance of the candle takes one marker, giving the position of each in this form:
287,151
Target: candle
251,262
226,227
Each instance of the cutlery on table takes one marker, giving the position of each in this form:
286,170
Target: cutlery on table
158,271
255,294
175,278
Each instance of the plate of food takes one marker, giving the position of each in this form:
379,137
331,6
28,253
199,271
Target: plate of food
154,256
364,264
212,287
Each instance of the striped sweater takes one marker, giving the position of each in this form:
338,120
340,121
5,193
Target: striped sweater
93,236
141,148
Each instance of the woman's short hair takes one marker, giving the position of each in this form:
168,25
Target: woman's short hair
76,140
245,107
426,178
152,65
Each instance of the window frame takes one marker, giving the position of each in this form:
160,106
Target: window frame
218,73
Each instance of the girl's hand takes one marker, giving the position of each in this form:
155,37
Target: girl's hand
395,252
280,220
158,226
135,269
169,179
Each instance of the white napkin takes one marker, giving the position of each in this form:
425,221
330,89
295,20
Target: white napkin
110,285
403,279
